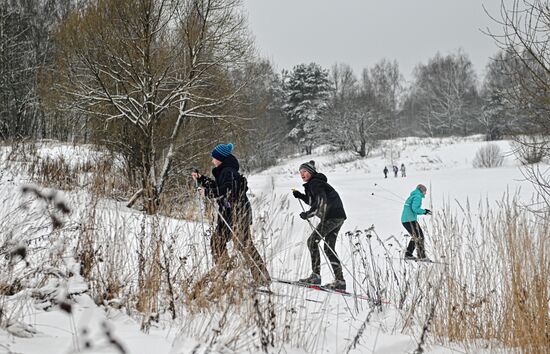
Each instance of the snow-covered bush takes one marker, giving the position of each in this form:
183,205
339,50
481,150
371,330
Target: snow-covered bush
488,156
531,149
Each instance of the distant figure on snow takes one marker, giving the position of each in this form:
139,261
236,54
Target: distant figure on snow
403,174
385,171
395,170
411,210
326,204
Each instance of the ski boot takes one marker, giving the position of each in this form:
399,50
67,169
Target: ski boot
336,285
314,279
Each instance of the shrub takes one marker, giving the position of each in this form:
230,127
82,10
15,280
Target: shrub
530,149
488,156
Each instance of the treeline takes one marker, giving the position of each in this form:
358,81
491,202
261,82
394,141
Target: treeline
160,82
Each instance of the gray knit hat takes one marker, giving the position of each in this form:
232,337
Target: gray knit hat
309,167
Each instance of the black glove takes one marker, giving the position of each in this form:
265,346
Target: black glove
304,215
428,212
297,194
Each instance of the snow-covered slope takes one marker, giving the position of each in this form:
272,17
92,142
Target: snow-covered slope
328,323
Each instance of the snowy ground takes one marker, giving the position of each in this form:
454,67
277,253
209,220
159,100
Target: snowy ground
443,165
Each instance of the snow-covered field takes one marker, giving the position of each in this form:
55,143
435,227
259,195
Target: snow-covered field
323,323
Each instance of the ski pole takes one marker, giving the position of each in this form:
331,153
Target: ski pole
318,245
387,190
201,209
386,198
334,252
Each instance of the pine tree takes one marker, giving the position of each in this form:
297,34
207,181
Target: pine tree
306,92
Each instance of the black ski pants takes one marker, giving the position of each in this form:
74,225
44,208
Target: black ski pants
417,239
328,229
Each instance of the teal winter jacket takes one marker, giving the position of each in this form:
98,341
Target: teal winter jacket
413,206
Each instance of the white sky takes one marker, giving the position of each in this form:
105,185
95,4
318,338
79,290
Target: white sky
361,32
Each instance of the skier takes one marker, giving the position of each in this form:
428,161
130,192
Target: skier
326,204
385,171
411,210
395,170
403,174
234,213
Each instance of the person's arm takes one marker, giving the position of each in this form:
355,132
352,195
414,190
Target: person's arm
317,200
299,195
228,181
416,206
209,185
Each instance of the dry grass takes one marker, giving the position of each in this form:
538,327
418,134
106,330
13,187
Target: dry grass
495,286
492,294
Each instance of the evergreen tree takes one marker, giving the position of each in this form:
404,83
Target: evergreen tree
306,92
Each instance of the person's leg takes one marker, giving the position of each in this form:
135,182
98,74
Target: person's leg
313,246
420,250
332,228
218,243
253,259
410,248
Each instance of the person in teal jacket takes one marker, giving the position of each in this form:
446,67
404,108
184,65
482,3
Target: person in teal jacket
409,219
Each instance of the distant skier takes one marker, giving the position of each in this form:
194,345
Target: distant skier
395,170
234,213
386,171
411,210
326,204
403,174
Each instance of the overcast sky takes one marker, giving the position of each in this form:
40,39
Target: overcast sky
361,32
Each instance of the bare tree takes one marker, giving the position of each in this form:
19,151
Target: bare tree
353,120
445,92
142,68
18,69
525,40
386,86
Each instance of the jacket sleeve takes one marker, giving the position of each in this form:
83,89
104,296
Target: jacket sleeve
303,197
317,200
416,206
210,186
227,182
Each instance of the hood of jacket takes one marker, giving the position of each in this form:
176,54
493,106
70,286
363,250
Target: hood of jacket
230,161
317,177
417,192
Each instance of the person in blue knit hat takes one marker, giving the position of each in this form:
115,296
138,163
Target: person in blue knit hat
234,213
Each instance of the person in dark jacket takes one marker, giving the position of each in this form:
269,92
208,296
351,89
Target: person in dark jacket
326,204
234,212
411,210
385,171
395,170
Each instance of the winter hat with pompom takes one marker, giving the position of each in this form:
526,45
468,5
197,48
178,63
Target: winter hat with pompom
222,151
308,166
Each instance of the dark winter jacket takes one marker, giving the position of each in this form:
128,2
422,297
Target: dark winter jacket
323,199
229,189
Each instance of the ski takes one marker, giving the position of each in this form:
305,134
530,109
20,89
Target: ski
321,288
423,261
272,293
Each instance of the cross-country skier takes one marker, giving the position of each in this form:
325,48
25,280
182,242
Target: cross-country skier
395,170
385,171
326,204
403,171
411,210
234,213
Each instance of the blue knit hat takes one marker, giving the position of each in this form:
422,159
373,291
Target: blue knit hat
222,151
